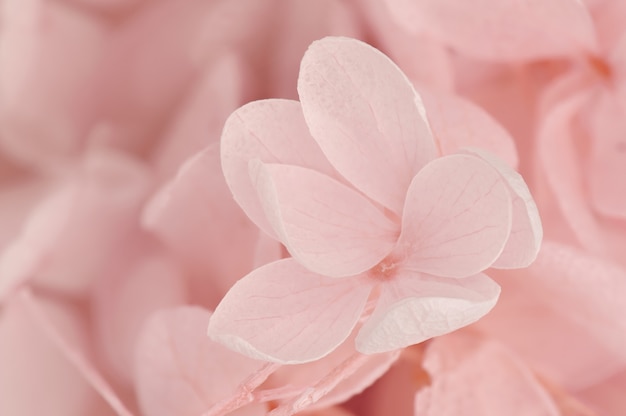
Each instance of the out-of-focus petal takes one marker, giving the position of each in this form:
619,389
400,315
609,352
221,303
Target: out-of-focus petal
36,377
502,29
607,397
299,23
457,123
479,377
201,118
561,165
413,308
75,233
526,230
423,59
273,131
124,301
179,371
49,54
606,164
366,117
457,218
197,219
306,375
328,227
284,313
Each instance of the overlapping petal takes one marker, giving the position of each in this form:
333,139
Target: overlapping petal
480,377
180,371
457,218
606,166
328,227
282,312
414,307
273,131
560,163
526,230
457,123
502,29
366,117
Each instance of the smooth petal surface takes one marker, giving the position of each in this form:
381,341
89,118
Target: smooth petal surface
124,301
526,230
414,307
72,234
328,227
502,29
284,313
457,123
200,120
472,376
197,219
606,166
457,218
562,167
36,377
305,375
180,371
366,117
273,131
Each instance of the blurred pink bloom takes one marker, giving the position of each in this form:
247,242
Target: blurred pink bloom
369,214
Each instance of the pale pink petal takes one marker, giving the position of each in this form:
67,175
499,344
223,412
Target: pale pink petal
366,117
298,23
273,131
591,286
284,313
472,376
561,164
197,219
179,371
502,29
303,376
123,301
413,308
607,397
49,53
74,234
328,227
606,163
312,395
457,218
36,377
526,231
201,117
570,301
424,60
457,122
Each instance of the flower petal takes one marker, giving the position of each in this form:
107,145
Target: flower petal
526,231
414,307
469,373
284,313
36,377
561,166
502,29
457,123
457,218
272,131
181,371
328,227
366,117
606,169
196,218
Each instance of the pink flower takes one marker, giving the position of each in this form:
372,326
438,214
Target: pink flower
350,182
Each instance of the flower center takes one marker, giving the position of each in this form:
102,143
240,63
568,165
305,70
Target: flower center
384,270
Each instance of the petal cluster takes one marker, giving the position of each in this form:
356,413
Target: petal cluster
385,231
